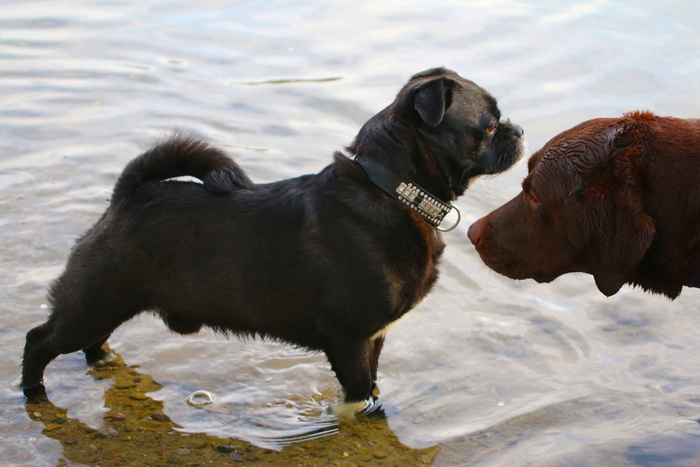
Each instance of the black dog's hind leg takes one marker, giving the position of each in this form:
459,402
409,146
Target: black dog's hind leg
63,333
95,354
36,357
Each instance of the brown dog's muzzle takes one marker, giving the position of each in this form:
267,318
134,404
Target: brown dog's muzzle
474,232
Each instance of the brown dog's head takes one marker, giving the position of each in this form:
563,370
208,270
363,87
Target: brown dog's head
615,198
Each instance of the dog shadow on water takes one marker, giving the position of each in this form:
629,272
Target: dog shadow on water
137,432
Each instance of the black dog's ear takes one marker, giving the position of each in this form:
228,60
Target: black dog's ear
430,101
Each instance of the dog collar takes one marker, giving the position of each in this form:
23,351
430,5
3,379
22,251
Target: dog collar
428,206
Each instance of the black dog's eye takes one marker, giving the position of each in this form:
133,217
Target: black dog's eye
488,124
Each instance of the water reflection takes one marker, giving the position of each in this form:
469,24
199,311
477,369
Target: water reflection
135,431
532,436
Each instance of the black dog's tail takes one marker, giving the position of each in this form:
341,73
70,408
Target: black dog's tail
180,155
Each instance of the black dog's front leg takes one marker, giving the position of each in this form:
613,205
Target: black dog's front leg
350,360
376,348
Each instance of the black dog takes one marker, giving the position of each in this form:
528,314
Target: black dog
324,261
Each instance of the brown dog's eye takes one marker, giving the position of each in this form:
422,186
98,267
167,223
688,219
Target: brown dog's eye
491,130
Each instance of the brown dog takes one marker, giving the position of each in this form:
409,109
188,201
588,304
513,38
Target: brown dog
618,198
324,261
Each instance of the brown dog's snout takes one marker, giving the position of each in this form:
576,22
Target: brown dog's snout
474,232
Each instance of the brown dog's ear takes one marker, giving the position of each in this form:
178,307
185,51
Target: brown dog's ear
623,249
623,230
429,100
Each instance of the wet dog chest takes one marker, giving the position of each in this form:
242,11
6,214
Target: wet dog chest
410,271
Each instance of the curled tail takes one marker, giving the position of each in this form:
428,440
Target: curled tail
180,155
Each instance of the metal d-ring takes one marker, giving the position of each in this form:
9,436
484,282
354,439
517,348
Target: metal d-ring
454,226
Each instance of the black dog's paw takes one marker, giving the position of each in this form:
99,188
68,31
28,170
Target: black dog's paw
374,409
36,394
370,408
101,358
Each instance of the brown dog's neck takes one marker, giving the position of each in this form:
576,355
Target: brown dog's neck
431,208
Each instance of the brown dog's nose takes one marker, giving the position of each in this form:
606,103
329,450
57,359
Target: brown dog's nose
474,232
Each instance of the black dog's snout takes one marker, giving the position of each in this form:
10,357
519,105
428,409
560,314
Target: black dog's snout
518,130
515,129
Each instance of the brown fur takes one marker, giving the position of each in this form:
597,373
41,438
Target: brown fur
618,198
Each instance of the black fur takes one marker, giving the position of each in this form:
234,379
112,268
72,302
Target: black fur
324,261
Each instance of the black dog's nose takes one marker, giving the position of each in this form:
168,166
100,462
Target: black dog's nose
518,130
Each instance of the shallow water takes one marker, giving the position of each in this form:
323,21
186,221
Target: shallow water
485,371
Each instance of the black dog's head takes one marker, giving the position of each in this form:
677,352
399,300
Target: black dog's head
450,127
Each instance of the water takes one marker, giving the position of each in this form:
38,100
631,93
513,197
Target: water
483,372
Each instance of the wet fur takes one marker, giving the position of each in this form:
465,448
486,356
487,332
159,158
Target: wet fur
324,261
618,198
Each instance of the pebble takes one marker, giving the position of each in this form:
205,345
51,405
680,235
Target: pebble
235,457
138,396
225,448
380,454
198,443
159,417
52,426
182,452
